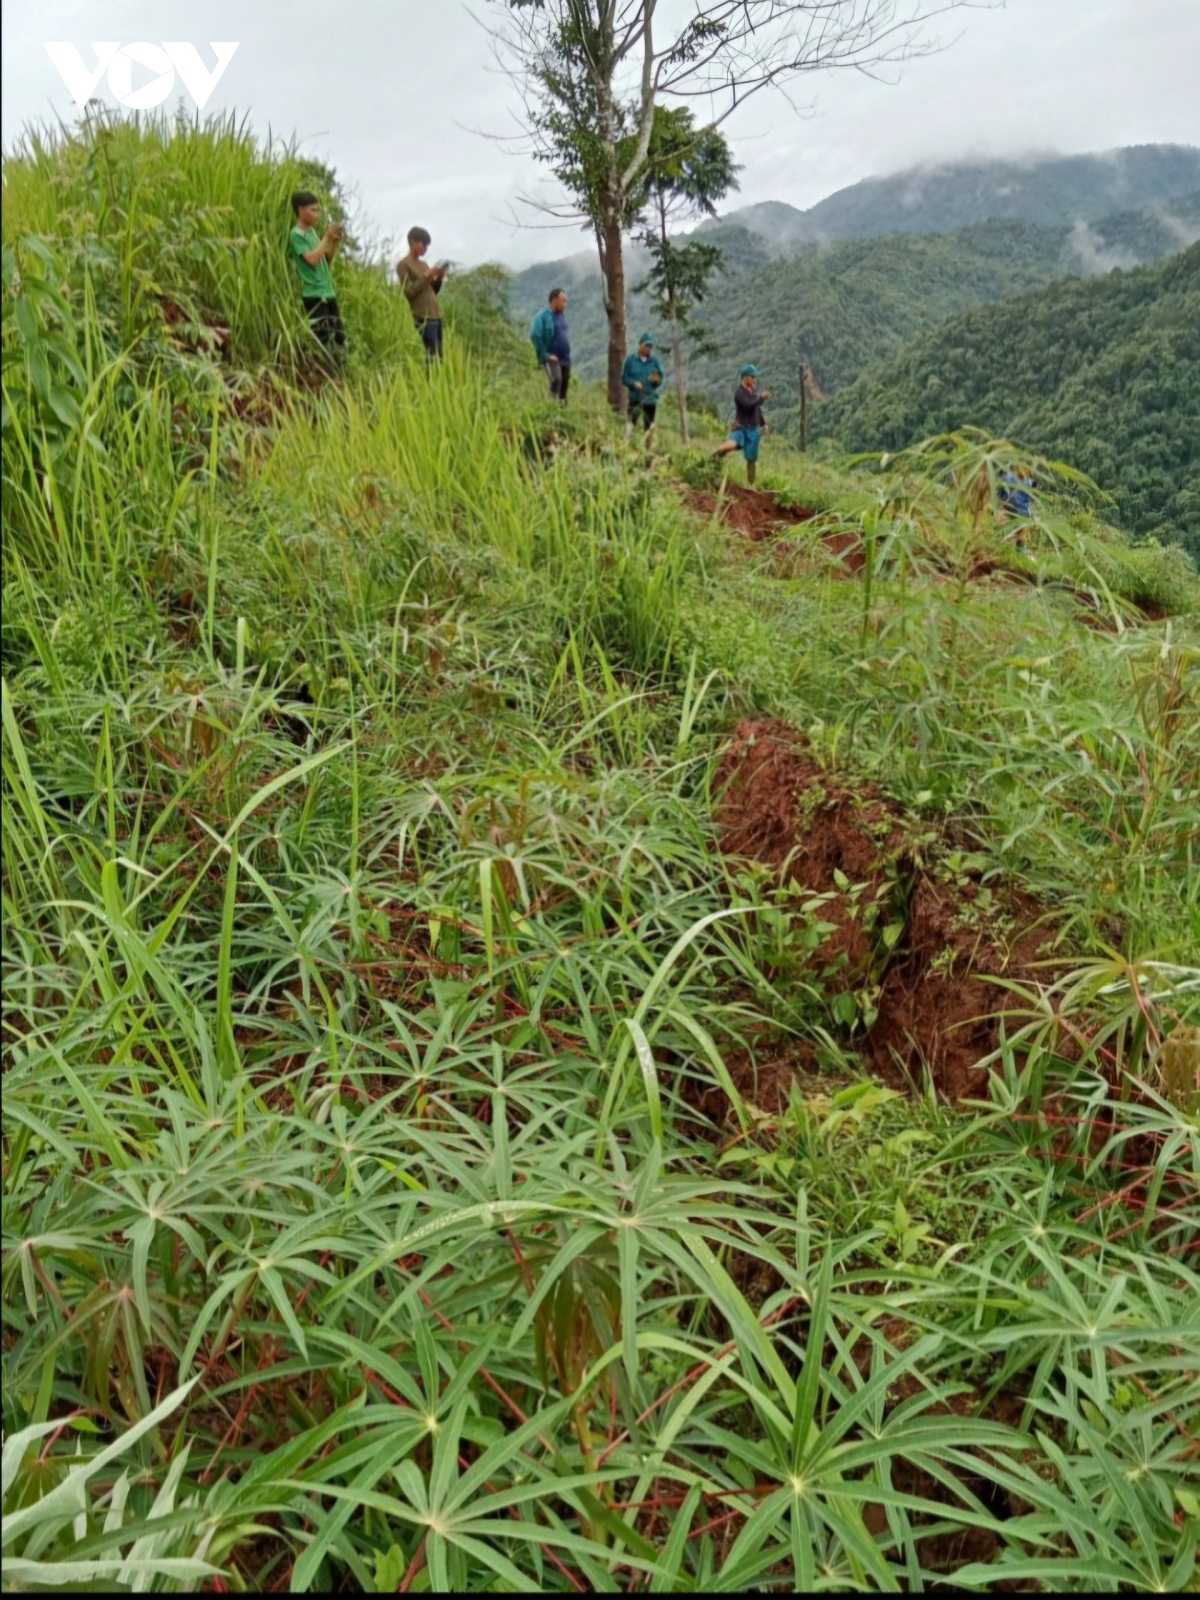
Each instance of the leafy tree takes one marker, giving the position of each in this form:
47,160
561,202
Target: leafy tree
593,71
690,170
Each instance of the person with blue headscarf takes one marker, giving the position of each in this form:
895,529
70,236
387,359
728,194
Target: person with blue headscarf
749,424
642,376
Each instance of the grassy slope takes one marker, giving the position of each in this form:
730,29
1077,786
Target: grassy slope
1105,373
368,946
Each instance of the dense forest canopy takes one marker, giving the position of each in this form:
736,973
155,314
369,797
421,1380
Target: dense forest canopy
1103,373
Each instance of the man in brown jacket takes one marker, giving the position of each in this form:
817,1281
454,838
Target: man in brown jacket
421,285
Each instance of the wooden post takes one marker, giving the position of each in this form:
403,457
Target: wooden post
803,406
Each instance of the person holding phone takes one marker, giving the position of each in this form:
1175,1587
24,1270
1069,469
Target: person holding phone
312,253
422,285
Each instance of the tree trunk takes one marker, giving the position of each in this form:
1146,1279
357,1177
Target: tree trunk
608,230
614,304
676,338
680,372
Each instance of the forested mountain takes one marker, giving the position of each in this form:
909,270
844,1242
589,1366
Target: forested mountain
1046,192
1103,373
847,306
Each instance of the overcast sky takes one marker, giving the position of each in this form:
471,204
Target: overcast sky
398,97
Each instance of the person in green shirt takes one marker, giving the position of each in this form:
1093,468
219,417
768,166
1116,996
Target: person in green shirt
642,376
312,253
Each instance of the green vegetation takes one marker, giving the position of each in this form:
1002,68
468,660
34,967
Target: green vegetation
393,1193
691,169
846,307
1105,373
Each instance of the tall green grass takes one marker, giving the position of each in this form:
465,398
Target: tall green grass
194,211
370,961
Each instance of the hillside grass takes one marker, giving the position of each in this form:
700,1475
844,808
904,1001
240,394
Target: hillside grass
389,1202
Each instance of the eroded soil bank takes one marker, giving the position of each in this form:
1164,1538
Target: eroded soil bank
935,1007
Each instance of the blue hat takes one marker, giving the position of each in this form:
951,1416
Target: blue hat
647,338
749,372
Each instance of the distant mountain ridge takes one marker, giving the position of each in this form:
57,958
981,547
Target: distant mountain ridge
911,327
1044,192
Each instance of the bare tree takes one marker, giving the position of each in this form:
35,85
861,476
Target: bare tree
592,70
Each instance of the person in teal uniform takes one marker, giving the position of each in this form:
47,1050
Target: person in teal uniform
552,344
642,376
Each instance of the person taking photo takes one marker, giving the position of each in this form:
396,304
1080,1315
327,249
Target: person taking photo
422,285
312,254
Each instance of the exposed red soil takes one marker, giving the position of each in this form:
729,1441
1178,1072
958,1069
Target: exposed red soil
762,778
848,546
935,1008
765,1080
759,516
750,511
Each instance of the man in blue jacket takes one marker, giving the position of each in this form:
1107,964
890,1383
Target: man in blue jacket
642,376
552,344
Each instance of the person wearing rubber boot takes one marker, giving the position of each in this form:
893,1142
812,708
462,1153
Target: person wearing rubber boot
642,376
749,424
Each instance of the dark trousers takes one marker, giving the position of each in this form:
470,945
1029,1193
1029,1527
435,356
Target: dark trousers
431,337
643,409
326,322
559,374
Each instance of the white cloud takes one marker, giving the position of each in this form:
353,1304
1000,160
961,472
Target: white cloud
1093,255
